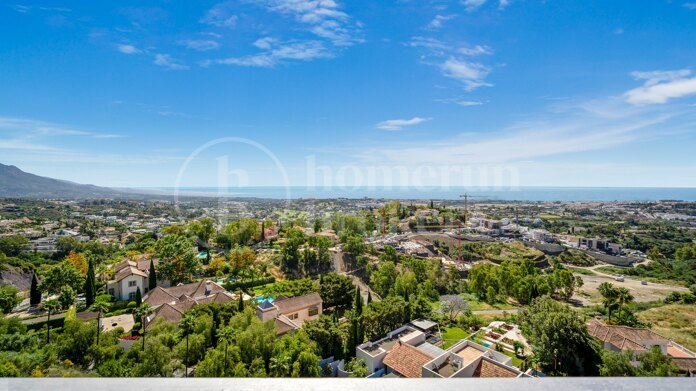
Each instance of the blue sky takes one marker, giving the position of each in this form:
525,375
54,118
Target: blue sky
549,93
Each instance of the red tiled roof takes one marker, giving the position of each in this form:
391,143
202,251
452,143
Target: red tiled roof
623,337
489,368
406,359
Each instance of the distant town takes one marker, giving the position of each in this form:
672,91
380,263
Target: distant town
365,288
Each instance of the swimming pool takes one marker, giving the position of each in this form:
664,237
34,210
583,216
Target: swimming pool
261,298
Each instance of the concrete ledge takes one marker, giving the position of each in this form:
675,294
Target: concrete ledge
334,384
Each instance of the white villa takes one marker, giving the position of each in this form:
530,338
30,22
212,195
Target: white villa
129,277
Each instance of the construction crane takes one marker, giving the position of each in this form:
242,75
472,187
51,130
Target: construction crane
466,197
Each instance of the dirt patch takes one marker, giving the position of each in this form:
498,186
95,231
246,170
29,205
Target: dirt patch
642,293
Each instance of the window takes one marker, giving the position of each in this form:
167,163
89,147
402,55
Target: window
293,316
313,311
131,283
131,296
111,291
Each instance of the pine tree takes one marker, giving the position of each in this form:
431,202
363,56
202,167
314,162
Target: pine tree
138,297
35,294
90,285
152,277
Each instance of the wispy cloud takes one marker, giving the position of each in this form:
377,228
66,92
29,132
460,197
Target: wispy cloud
128,49
324,18
473,5
166,61
661,86
22,8
460,102
201,45
32,127
398,124
691,6
439,20
521,142
471,74
221,15
478,50
276,52
453,62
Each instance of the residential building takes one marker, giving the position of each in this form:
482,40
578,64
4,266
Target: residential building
638,341
129,276
290,313
389,355
469,359
599,245
171,303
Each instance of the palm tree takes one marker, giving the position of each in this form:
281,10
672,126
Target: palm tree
623,297
609,296
99,307
226,335
187,324
52,306
143,312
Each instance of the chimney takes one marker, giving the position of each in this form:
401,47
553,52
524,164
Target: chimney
208,288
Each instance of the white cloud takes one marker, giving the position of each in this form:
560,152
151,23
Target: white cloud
166,61
477,50
473,5
276,52
324,18
398,124
519,143
691,6
460,102
448,58
265,42
220,16
37,128
471,74
331,27
437,22
128,49
661,86
201,45
502,4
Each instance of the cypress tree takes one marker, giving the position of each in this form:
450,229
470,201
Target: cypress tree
240,306
152,277
90,285
358,303
34,295
138,297
369,297
263,231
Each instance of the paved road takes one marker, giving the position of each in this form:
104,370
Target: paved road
43,318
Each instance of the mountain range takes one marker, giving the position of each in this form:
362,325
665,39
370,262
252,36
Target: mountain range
17,183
